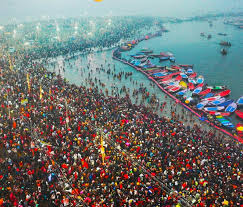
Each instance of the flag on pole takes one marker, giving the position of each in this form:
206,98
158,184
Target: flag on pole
41,92
28,81
102,149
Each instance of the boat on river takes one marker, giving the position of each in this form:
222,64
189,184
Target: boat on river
215,108
239,113
227,102
224,43
205,92
217,87
224,93
240,101
231,108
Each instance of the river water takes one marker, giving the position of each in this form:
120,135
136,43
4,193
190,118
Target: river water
185,42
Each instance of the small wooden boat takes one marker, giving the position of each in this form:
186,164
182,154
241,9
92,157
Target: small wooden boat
169,87
218,113
146,51
206,91
173,83
217,87
172,59
191,86
186,66
181,93
216,108
183,84
175,88
176,67
183,75
224,93
227,102
164,58
193,75
217,102
224,43
231,108
222,34
138,56
189,71
190,80
159,74
209,95
200,79
239,113
240,101
223,51
211,98
178,78
200,85
197,90
201,105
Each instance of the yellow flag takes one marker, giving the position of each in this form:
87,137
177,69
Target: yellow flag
102,149
40,92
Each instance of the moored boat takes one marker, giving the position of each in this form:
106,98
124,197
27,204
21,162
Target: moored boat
217,87
231,108
191,86
181,93
189,71
200,79
224,43
227,102
239,113
209,95
183,75
217,102
193,75
240,101
218,113
205,92
164,58
201,105
224,93
178,78
197,90
200,85
223,51
211,98
186,66
175,89
216,108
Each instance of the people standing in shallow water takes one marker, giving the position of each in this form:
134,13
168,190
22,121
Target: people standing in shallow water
51,148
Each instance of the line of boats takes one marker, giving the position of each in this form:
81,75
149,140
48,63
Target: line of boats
182,81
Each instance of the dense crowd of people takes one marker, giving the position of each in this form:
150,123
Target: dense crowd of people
65,145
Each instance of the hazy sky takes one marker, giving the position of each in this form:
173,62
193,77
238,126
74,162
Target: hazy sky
25,9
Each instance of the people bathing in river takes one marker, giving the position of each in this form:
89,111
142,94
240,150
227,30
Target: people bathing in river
53,134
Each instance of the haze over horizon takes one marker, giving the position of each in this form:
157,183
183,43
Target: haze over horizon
35,9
